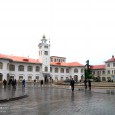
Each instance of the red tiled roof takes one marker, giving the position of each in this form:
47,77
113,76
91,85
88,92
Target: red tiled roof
98,67
30,60
66,64
111,60
19,59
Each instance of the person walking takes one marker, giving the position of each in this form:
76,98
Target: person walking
72,82
4,83
34,82
41,83
23,83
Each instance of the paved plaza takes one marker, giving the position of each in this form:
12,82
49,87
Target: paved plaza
50,100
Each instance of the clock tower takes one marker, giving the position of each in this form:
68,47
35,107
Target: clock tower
44,57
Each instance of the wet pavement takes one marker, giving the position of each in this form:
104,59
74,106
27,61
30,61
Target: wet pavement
9,92
50,100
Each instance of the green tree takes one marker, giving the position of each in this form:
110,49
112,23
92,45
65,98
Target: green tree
88,71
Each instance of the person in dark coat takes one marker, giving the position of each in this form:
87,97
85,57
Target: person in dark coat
72,82
41,83
23,83
4,83
13,84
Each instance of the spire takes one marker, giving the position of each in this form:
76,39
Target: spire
44,40
43,37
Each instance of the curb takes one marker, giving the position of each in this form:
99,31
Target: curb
13,99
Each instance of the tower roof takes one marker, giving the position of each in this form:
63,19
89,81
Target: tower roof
44,40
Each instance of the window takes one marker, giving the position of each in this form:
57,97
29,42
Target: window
103,72
30,68
113,64
108,65
29,78
67,70
67,78
50,69
37,68
108,71
62,70
37,78
56,70
56,78
98,72
12,67
20,68
46,69
54,60
75,70
61,78
1,65
20,78
45,52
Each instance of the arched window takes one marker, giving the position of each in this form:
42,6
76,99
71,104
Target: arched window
50,69
67,70
20,68
46,69
30,68
37,68
62,70
29,78
56,70
12,67
75,70
1,65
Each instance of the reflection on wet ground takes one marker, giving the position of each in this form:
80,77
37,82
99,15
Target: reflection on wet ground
60,101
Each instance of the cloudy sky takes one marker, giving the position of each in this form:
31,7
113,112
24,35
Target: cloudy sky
78,29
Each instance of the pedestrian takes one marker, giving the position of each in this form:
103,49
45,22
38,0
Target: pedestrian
10,81
34,81
4,83
41,83
23,83
89,83
72,82
13,84
85,83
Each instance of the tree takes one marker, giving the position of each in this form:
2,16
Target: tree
88,71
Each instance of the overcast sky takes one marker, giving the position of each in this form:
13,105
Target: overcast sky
78,29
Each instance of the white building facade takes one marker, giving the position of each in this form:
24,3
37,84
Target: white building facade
45,67
105,72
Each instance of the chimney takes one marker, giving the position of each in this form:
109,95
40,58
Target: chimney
112,56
